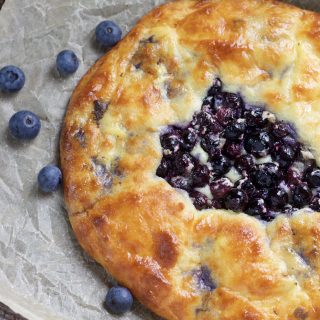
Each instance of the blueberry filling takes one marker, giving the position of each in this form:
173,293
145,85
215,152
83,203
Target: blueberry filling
240,157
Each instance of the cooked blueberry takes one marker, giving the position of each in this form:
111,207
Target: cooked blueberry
293,176
118,300
266,175
216,87
24,125
269,215
283,154
245,163
170,141
200,201
309,165
261,193
49,178
164,168
220,188
12,79
205,122
232,149
256,207
247,186
180,182
233,100
184,163
67,62
254,117
226,114
287,209
301,195
281,129
278,198
220,165
108,33
189,139
314,178
291,141
235,130
200,176
204,279
210,143
217,102
236,200
315,203
257,144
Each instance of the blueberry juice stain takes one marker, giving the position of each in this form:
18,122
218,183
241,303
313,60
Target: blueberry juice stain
240,157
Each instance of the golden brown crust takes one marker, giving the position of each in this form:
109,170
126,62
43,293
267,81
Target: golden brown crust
144,232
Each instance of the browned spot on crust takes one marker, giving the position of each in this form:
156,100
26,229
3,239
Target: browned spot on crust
300,314
165,249
152,97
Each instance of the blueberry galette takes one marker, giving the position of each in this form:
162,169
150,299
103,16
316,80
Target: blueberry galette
191,155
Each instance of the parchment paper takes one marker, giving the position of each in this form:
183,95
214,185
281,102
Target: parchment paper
44,274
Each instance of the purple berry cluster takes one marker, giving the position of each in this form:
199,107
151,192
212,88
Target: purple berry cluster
249,160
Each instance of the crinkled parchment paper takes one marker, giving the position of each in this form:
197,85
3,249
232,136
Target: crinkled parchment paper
44,274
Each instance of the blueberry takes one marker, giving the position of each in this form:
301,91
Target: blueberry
220,188
269,215
164,168
180,182
220,165
12,79
261,193
189,139
210,143
216,87
226,114
235,130
281,129
217,102
254,117
278,198
287,209
233,100
118,300
200,201
24,125
108,33
245,163
206,122
200,176
256,207
283,154
315,203
67,62
236,200
301,195
257,144
293,176
246,185
267,175
49,178
184,163
314,178
309,165
232,149
170,142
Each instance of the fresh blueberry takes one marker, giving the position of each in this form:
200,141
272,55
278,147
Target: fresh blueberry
118,300
12,79
67,62
220,188
301,195
200,201
49,178
257,144
257,207
314,178
236,200
108,33
266,176
24,125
